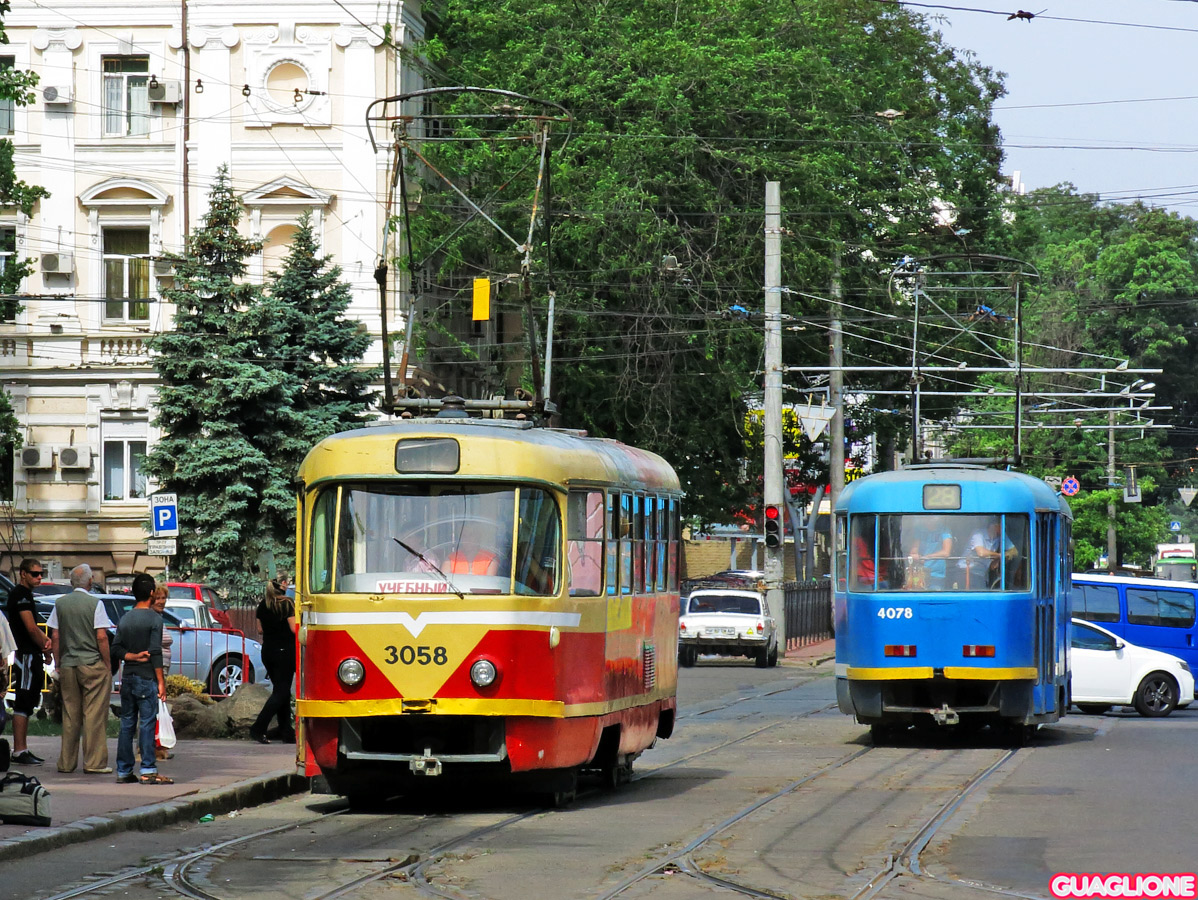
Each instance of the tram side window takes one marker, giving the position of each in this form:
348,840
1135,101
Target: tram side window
839,563
862,567
537,543
612,533
320,555
584,536
625,536
661,548
675,515
650,539
1096,602
638,543
1172,609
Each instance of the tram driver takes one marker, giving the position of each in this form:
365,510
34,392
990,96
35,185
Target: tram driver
984,559
473,554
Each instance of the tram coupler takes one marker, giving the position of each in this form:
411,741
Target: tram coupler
427,765
945,715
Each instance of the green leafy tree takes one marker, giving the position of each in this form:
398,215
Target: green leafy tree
682,112
304,335
215,396
1116,282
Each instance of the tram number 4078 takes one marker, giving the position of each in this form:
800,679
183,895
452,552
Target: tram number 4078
895,612
408,655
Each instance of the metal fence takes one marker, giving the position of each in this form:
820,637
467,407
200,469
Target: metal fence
808,612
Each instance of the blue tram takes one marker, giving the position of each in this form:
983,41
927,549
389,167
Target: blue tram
951,600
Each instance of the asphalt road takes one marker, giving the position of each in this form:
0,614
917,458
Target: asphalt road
763,788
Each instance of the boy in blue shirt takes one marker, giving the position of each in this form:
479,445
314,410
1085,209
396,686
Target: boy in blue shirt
138,645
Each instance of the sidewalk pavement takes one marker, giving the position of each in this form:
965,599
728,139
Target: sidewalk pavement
813,654
211,776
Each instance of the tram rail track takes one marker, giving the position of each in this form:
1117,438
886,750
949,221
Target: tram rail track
178,873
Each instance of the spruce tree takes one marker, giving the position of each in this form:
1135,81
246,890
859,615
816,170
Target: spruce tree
306,337
216,402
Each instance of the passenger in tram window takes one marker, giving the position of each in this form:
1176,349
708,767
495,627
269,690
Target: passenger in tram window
929,553
863,556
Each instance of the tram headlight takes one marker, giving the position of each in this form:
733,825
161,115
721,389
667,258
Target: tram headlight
483,673
351,672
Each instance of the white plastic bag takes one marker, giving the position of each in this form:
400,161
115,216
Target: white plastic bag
166,726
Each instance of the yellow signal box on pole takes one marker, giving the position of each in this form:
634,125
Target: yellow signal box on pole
482,299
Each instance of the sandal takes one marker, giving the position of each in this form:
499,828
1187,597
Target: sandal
156,779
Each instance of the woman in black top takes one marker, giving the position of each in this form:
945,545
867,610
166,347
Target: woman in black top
276,614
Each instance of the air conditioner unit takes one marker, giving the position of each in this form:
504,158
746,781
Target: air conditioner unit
57,94
165,92
61,262
75,456
37,456
163,268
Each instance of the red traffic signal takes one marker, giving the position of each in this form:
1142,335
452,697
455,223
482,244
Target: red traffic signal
773,526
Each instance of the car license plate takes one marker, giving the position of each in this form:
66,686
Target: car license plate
722,632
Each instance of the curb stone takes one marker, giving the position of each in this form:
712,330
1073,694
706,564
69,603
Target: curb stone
241,794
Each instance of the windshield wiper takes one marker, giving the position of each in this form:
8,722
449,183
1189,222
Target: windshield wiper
432,565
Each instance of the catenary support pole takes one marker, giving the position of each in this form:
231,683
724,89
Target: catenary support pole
772,489
835,394
1111,542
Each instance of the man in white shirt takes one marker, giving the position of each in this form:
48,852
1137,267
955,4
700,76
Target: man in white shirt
80,643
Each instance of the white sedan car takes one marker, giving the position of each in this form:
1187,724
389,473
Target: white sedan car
1108,671
727,622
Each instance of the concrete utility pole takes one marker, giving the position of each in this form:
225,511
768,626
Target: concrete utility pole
1112,560
772,489
835,395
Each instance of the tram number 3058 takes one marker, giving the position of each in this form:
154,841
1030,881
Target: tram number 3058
895,612
408,655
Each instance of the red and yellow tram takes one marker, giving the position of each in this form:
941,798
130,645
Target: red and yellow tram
483,597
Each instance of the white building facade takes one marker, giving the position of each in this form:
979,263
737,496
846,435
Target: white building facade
134,115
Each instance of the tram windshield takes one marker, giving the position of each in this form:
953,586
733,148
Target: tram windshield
921,552
435,538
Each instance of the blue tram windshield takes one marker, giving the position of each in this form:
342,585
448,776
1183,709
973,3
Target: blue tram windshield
921,552
435,538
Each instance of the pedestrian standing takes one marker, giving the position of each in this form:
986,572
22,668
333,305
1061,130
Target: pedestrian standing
33,651
158,604
138,645
80,643
276,614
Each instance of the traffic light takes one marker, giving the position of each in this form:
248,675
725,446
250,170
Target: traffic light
773,526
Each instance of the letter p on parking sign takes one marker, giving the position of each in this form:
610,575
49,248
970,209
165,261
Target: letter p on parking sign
164,515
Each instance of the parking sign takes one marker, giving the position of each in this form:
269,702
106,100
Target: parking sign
164,515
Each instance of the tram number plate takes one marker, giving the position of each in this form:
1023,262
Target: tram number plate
895,612
408,655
